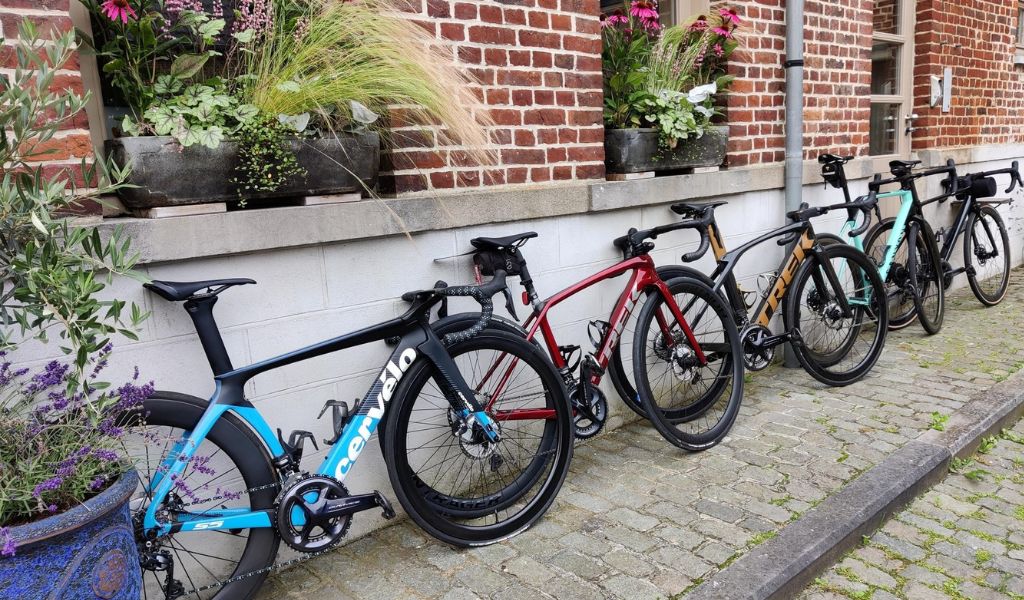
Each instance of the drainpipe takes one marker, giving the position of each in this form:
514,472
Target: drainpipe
794,117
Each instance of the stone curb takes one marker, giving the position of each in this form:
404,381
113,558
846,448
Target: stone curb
786,564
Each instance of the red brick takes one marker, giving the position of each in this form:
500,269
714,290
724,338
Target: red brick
561,22
496,57
539,39
465,11
538,19
490,13
544,116
542,60
516,175
442,180
439,9
520,156
540,174
525,138
590,171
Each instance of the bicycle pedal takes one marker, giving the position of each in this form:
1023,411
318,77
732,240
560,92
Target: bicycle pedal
386,510
593,368
339,416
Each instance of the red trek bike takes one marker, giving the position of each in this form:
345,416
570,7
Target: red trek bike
688,382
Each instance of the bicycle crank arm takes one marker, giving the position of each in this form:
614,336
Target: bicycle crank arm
352,504
775,340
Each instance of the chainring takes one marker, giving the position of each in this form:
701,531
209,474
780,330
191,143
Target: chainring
756,355
297,517
585,428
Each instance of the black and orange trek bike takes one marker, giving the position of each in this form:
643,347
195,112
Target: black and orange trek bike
827,293
693,376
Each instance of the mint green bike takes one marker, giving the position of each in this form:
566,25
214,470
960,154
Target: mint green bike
908,261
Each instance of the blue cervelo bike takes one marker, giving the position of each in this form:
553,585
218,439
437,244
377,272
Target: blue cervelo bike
219,490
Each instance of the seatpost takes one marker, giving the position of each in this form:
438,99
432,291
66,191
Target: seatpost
200,308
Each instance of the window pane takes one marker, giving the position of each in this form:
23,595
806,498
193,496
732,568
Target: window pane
886,17
1020,25
884,126
885,68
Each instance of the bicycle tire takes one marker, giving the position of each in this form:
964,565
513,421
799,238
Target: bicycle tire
902,312
232,437
860,269
620,374
441,514
971,259
926,273
719,338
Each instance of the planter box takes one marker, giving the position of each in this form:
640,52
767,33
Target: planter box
168,175
637,151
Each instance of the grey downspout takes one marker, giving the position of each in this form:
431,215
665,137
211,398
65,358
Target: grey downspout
794,117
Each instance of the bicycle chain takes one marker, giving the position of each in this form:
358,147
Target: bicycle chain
274,567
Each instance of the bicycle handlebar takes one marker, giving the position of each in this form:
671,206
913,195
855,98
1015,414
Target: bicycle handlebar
635,241
481,293
1013,171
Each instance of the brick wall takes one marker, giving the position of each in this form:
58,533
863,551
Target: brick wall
538,64
976,39
67,149
837,67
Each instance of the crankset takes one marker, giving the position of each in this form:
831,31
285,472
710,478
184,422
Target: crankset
315,512
590,407
947,274
759,347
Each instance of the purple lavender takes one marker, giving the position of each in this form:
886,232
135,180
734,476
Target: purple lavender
7,546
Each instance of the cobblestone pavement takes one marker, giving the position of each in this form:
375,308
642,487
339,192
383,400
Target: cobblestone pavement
639,519
964,538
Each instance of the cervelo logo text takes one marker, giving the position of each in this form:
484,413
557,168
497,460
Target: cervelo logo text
616,328
389,379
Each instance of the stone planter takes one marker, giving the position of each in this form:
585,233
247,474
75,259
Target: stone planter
637,151
168,175
86,552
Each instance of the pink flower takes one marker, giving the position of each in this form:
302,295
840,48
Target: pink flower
118,10
722,31
645,10
719,52
729,16
616,18
699,24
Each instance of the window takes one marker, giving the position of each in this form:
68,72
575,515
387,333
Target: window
891,77
1020,25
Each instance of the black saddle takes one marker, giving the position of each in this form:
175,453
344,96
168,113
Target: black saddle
827,159
688,208
899,168
176,291
488,243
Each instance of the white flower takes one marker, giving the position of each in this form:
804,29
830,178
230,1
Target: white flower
701,93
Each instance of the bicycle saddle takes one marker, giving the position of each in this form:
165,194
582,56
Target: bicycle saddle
488,243
687,208
832,158
176,291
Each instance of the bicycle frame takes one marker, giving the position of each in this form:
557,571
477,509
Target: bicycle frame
895,238
418,342
644,277
805,246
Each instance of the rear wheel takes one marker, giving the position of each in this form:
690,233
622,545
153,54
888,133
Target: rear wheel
833,348
228,463
987,255
455,483
693,405
901,301
926,276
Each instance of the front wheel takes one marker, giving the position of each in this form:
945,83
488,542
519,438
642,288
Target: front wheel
692,402
834,347
987,255
230,470
452,480
901,300
926,276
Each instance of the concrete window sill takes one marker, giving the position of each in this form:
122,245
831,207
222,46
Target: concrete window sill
184,238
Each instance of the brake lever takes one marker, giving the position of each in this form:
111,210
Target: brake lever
509,303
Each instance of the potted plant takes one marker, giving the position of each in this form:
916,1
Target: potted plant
661,86
65,531
278,99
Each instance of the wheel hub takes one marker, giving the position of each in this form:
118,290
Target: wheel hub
473,440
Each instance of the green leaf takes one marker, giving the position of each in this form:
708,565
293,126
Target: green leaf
210,137
243,37
288,86
212,28
38,224
167,85
187,65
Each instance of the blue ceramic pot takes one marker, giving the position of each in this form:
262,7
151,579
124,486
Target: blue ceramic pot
86,553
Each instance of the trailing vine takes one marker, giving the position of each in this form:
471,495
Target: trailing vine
266,161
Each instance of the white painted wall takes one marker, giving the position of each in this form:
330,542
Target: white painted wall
308,294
